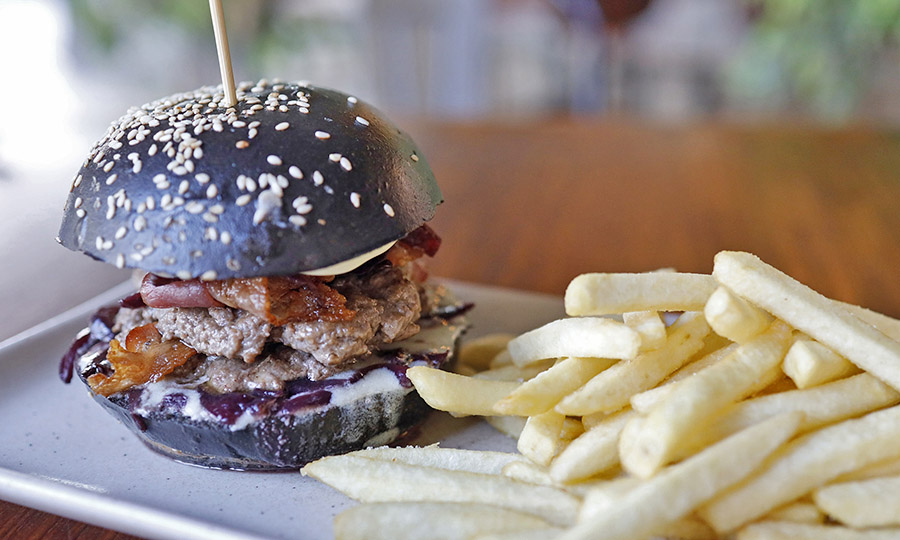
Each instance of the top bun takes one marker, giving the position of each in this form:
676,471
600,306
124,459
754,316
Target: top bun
293,178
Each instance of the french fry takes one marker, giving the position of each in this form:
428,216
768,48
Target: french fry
888,326
672,423
807,463
649,325
545,390
810,312
887,467
797,512
809,363
527,471
674,493
511,426
734,318
595,451
452,459
868,503
642,402
369,480
605,495
604,294
437,521
611,389
589,337
786,530
540,440
479,352
689,528
571,430
458,394
531,534
820,405
502,358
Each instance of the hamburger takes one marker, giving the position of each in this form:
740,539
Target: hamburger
279,245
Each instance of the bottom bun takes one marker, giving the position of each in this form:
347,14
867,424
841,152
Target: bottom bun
278,441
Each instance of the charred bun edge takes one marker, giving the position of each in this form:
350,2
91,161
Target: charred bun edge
293,178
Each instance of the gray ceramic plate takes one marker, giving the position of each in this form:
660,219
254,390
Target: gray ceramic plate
60,452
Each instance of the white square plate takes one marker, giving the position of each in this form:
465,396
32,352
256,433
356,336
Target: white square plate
60,452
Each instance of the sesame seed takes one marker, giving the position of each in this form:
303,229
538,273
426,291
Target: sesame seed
318,179
362,121
183,187
80,212
138,165
282,126
183,274
195,207
239,124
140,223
389,210
252,133
354,199
212,191
211,234
202,178
274,160
120,260
295,172
297,220
121,232
242,144
225,237
243,200
109,165
414,157
209,275
352,100
78,202
323,135
334,157
345,164
77,181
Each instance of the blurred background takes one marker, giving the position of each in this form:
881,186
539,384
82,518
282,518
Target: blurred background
69,67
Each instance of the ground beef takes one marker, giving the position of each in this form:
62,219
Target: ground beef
227,332
244,352
386,306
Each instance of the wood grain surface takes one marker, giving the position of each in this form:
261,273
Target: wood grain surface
530,205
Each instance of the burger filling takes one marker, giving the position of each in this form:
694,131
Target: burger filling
247,334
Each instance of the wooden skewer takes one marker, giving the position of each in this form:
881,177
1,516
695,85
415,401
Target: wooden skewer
218,20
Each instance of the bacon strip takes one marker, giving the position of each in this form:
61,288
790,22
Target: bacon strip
144,358
284,299
160,292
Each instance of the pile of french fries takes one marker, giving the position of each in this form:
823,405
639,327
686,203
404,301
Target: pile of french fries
740,404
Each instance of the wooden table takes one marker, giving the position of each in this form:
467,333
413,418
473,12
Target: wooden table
530,205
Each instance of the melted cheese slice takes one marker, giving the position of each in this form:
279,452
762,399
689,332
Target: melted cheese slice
350,264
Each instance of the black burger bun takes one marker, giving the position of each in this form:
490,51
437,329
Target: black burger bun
293,178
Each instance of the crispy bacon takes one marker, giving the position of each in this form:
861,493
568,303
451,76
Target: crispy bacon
423,238
144,358
160,292
284,299
422,241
